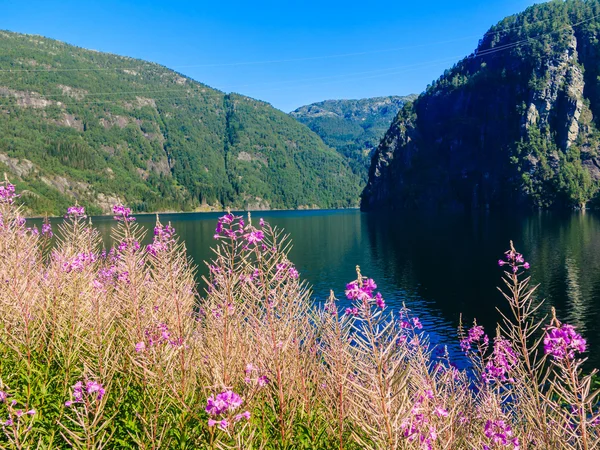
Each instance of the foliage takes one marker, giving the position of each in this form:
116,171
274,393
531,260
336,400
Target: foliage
100,128
352,127
515,123
115,349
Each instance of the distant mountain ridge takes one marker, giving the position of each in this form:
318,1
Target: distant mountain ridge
353,127
516,123
81,125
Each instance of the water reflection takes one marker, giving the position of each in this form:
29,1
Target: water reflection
439,265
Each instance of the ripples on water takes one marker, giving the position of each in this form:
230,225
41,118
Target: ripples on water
439,265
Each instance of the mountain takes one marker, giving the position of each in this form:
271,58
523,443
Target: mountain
80,125
352,127
516,123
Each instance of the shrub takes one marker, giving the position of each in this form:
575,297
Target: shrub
115,348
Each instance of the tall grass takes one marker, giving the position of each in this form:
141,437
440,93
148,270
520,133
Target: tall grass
115,348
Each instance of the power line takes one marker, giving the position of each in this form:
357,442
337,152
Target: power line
482,53
277,61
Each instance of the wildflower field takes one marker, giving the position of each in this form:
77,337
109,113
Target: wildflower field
116,348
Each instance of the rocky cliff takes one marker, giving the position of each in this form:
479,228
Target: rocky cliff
513,124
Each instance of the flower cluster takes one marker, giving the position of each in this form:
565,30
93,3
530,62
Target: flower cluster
284,267
92,390
514,260
47,230
562,342
254,237
414,322
362,290
500,435
222,404
502,361
128,245
157,335
75,212
226,228
7,193
476,335
122,214
419,426
163,238
14,414
79,262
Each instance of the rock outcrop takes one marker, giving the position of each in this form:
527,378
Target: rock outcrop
513,124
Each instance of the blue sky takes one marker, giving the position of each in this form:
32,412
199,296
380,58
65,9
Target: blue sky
288,53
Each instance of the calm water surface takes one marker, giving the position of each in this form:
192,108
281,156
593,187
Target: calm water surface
438,265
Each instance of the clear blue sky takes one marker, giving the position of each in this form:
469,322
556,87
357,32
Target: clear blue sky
286,52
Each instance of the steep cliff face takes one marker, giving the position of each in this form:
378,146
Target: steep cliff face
514,123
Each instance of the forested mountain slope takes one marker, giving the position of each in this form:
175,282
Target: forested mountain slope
514,123
80,125
352,127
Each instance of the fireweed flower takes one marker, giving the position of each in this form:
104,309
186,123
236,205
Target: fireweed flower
562,342
244,415
254,236
226,228
514,261
226,401
122,214
475,335
502,361
47,230
7,193
92,390
352,311
75,212
500,433
3,396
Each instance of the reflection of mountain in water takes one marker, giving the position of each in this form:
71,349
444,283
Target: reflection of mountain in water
439,265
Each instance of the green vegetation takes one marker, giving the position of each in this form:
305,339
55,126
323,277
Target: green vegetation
353,127
515,123
100,129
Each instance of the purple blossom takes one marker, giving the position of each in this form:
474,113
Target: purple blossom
122,214
500,433
262,381
223,402
261,222
352,311
3,396
293,273
254,236
475,335
140,347
75,212
514,260
93,387
417,323
7,193
563,342
379,301
47,230
244,415
502,361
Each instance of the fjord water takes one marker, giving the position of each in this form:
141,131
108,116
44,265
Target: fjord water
439,265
